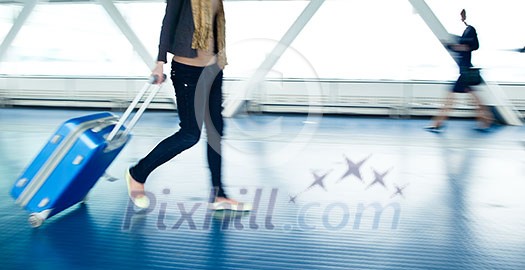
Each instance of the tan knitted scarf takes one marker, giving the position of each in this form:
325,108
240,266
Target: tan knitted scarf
203,21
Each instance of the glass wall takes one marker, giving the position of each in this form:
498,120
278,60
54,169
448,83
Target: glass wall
75,39
345,40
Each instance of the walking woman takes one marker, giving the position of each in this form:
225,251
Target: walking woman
193,31
467,43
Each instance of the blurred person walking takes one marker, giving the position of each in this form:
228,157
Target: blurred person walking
468,77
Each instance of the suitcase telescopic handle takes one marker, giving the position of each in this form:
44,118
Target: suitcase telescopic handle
152,83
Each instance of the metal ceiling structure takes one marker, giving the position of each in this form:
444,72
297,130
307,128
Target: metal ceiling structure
234,102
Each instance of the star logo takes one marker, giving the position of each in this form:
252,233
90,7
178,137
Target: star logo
292,199
353,168
379,178
319,180
399,191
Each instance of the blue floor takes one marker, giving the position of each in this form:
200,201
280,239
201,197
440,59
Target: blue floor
449,201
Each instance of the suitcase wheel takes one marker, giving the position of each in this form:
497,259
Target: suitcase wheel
36,220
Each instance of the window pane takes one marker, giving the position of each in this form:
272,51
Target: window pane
253,29
375,39
8,14
379,39
71,39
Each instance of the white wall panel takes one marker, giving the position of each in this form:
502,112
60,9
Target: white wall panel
395,98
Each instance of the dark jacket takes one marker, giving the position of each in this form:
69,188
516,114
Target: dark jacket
177,30
470,38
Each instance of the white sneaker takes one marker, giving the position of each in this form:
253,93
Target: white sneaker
140,201
218,206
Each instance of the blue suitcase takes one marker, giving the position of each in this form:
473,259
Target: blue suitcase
73,160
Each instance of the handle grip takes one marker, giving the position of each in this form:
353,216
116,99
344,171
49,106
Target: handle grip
154,79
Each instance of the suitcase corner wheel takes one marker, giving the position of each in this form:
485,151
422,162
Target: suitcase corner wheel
37,219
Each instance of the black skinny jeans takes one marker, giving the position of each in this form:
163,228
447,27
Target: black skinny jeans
199,100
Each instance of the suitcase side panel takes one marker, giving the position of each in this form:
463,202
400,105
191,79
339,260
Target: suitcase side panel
47,163
63,175
92,171
41,158
76,174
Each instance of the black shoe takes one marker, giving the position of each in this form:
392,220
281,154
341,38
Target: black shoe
434,129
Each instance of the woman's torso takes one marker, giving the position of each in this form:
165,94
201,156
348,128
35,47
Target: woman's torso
204,57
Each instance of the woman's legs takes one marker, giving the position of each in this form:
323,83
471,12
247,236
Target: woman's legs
211,96
437,122
214,128
185,82
444,111
199,99
483,116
